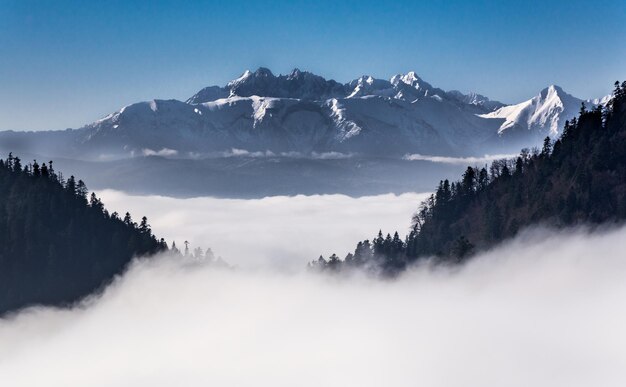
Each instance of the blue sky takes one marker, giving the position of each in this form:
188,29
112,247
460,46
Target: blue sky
64,64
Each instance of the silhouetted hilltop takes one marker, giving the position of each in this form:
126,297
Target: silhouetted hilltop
56,243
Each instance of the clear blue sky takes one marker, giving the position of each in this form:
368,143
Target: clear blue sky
64,64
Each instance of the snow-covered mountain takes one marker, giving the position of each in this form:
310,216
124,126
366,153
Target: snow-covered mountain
544,114
298,84
303,113
304,85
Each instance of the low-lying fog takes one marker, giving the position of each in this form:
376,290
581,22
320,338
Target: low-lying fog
546,309
281,231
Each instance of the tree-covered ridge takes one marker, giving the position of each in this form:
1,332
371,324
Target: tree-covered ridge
56,243
579,178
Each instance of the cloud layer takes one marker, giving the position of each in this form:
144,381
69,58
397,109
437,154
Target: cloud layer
282,231
543,310
486,159
165,152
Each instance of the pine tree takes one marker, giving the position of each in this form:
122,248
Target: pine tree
144,227
519,166
36,170
462,249
469,181
546,150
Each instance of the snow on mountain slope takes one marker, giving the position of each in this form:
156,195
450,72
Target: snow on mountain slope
371,125
307,86
599,101
411,87
210,93
304,113
544,114
367,85
298,84
475,99
292,114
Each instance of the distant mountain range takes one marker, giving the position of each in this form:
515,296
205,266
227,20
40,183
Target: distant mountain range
263,134
302,114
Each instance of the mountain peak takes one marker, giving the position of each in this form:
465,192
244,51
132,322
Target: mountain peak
368,79
555,87
546,112
556,94
552,89
263,72
295,73
413,81
246,75
368,85
410,78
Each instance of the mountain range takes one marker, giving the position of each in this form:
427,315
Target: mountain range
303,114
299,133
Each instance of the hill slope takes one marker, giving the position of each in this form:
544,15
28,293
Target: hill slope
56,245
580,178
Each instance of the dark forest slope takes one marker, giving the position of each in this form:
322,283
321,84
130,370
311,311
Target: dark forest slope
579,179
56,244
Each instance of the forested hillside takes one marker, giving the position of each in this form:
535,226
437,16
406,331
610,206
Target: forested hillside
578,179
56,243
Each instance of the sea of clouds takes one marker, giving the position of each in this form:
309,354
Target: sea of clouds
279,231
544,309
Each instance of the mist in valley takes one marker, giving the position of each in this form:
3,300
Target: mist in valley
280,231
543,309
312,194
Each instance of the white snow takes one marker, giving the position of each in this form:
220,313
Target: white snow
260,107
349,128
403,115
241,79
545,112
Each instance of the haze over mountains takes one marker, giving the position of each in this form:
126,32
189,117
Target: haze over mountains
289,124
